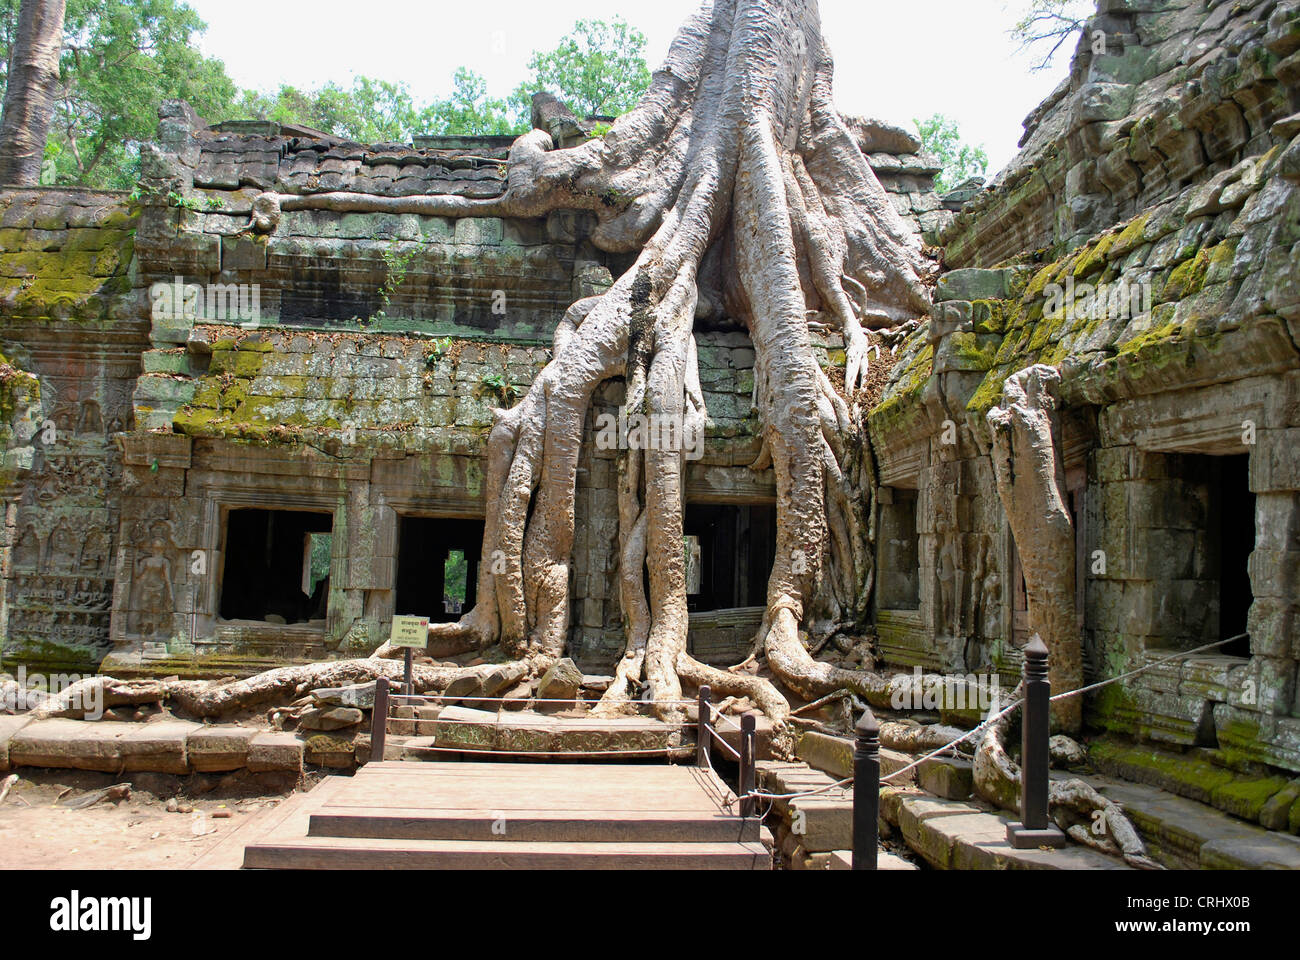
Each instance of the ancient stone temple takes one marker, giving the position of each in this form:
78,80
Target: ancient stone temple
234,442
256,438
1144,243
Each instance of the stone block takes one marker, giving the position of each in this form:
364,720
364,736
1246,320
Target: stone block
822,824
214,749
238,253
158,747
485,231
949,317
946,777
9,726
330,718
360,695
272,751
974,284
66,744
561,682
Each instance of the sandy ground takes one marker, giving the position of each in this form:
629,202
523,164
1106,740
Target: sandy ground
40,830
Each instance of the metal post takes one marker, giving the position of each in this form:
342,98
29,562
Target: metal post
379,720
1034,828
407,683
866,792
703,738
747,725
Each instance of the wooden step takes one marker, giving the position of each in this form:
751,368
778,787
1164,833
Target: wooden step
342,853
596,826
489,816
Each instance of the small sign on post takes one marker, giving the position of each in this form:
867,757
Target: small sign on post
411,633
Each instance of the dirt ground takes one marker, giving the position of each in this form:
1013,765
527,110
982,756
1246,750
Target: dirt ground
42,829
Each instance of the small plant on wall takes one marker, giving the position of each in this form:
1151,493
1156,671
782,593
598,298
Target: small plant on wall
496,387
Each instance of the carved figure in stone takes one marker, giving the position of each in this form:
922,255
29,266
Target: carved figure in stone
27,552
63,550
947,560
94,553
153,606
91,421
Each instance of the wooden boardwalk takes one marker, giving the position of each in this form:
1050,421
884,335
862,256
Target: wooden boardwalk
504,816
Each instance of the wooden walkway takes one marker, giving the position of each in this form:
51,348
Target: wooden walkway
505,816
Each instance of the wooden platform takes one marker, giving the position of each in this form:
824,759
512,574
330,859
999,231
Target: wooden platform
503,816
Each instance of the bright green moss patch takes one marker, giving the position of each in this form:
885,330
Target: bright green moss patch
1131,237
1187,278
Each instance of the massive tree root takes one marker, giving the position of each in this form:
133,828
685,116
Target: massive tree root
1078,809
1031,484
223,697
744,194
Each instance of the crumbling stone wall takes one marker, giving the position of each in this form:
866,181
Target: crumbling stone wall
71,341
1167,168
1161,94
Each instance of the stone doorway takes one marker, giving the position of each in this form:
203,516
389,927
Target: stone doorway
1232,511
277,565
730,549
437,566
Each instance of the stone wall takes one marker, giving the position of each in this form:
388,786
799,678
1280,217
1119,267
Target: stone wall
73,334
1177,340
1162,95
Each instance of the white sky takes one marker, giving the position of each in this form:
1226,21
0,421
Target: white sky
895,59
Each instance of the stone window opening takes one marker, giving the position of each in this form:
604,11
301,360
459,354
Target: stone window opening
900,551
437,566
277,565
1232,511
730,549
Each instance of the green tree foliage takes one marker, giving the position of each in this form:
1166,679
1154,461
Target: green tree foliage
960,161
469,111
455,576
598,69
121,59
1048,24
376,111
370,111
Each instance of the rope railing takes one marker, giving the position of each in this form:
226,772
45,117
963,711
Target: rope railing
948,747
474,698
866,754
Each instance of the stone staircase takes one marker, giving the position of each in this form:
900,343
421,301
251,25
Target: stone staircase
514,816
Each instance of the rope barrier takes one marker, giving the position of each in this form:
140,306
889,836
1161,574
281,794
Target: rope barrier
497,721
1180,655
472,697
668,752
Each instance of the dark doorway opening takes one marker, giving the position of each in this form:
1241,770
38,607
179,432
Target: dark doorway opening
1236,536
277,565
900,552
729,553
437,566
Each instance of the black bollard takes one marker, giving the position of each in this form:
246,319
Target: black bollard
379,720
408,685
747,748
1034,828
866,793
703,738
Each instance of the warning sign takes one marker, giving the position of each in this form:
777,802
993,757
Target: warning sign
410,632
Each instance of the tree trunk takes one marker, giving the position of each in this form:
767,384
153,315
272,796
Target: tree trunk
743,194
1031,485
29,96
